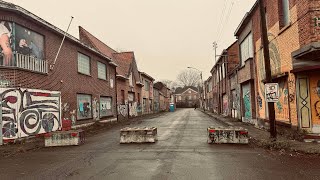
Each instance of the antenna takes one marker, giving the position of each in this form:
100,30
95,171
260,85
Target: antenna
64,36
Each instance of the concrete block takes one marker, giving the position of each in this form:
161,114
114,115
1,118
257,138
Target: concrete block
65,138
230,135
138,135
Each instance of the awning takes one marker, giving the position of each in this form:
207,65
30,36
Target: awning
306,58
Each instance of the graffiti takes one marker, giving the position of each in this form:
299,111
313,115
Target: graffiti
246,101
123,110
29,112
259,101
156,106
95,109
133,109
317,108
275,61
225,105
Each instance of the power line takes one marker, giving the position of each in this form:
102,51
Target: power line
226,21
221,17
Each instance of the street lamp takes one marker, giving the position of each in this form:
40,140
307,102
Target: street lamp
199,87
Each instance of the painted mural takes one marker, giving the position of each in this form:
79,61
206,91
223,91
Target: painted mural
123,110
246,97
105,106
282,106
29,112
315,100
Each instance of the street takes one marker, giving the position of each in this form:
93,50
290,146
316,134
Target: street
181,152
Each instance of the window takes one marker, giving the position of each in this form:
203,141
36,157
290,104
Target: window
83,64
246,49
284,13
179,98
189,92
146,85
105,106
102,71
130,80
195,97
190,97
84,106
223,71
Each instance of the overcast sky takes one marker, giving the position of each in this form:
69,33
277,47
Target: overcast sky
167,36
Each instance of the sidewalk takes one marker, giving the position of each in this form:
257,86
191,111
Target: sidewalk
261,138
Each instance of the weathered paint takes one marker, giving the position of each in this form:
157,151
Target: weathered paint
281,46
231,135
138,135
225,105
315,101
282,106
246,98
29,112
64,138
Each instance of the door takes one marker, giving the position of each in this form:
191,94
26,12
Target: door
303,102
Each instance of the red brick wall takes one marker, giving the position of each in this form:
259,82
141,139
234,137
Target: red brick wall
65,76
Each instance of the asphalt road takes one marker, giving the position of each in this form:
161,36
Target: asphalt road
182,153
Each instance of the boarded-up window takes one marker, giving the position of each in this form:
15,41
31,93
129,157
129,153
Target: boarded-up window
105,106
84,106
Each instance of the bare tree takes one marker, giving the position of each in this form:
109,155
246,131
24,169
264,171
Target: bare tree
189,78
169,83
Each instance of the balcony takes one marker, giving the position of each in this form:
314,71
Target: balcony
25,62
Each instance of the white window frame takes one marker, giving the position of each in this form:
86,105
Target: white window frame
246,48
84,64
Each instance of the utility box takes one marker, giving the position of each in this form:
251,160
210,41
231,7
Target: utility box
138,135
171,107
64,138
227,135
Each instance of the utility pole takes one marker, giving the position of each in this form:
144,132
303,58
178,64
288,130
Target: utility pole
265,42
215,46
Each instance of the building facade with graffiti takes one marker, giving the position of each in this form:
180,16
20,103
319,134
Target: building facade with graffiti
128,79
221,92
164,95
79,85
147,93
294,42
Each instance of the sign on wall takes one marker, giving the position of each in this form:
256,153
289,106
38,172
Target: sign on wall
272,92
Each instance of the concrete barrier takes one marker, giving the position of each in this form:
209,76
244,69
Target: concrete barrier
232,135
64,138
138,135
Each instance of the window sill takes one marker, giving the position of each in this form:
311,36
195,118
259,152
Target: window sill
84,74
284,28
103,79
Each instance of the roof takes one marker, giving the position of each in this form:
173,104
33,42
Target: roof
180,90
27,14
245,19
125,60
146,75
91,40
159,85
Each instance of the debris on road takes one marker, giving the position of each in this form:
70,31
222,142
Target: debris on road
138,135
223,135
64,138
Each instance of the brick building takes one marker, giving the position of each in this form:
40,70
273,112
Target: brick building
293,33
222,92
84,76
164,95
147,93
208,94
128,80
186,97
